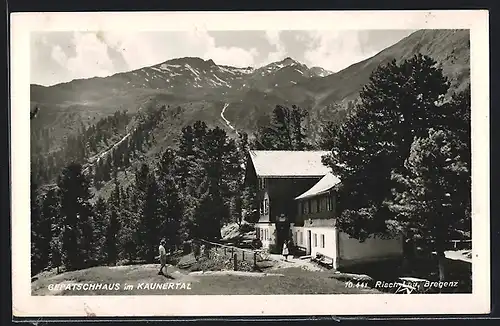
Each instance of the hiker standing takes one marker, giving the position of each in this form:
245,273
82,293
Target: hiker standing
285,251
163,257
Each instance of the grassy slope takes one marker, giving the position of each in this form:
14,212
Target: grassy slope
291,281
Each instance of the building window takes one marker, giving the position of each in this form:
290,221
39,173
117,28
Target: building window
315,240
322,241
329,203
313,206
262,234
266,206
300,237
305,207
318,203
324,201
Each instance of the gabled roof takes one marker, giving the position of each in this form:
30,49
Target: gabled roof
323,186
293,164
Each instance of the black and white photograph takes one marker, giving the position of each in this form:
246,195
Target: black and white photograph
222,161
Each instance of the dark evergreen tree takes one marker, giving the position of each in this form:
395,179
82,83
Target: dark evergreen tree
107,168
433,200
101,222
46,226
75,213
113,227
170,200
36,259
398,104
286,131
328,135
151,222
209,212
298,129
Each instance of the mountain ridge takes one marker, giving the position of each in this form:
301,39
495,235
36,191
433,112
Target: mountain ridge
211,62
202,87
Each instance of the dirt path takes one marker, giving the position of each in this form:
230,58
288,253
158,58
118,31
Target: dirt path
99,156
305,264
224,118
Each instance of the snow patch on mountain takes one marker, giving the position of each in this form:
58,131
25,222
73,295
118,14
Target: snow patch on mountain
246,70
222,81
194,71
166,66
226,70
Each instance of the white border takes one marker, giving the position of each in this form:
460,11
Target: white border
25,305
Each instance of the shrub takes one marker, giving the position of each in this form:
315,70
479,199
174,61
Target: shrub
273,248
246,227
257,243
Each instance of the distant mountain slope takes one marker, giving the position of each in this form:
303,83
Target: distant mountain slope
450,48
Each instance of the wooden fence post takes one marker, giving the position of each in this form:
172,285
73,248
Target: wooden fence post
235,257
243,255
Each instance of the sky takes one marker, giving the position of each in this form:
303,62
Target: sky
58,57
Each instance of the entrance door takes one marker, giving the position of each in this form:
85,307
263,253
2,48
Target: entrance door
282,232
309,242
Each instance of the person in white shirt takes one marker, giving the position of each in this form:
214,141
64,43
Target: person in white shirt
163,257
285,251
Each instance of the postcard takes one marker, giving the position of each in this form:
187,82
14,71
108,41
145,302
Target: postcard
250,163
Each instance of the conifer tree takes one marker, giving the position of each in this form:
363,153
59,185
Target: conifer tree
151,221
209,212
75,213
286,130
45,227
101,222
398,104
433,197
297,121
328,135
36,260
170,200
113,227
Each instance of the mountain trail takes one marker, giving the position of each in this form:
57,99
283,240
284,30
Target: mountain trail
96,158
224,118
